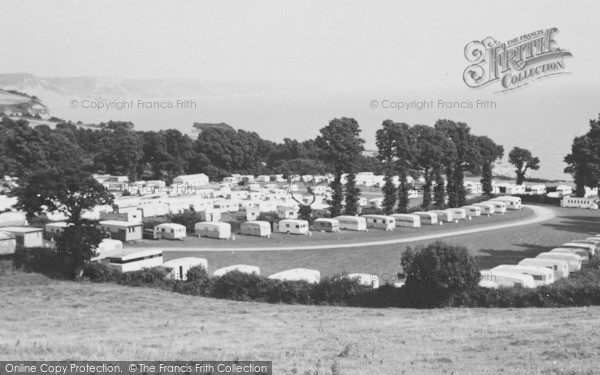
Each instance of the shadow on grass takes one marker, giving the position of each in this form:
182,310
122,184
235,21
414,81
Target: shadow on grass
586,225
489,258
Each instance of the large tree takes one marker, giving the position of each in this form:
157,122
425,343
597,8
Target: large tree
342,145
386,152
523,160
584,159
460,134
488,152
66,192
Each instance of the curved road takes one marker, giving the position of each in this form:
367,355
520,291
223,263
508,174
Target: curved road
540,214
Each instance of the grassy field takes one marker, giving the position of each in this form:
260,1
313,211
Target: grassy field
344,236
45,319
490,248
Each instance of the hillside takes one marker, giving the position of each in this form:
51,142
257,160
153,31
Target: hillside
60,90
114,322
14,103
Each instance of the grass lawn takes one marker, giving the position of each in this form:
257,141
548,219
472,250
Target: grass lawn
344,236
45,319
491,248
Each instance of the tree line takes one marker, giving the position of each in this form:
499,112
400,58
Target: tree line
584,159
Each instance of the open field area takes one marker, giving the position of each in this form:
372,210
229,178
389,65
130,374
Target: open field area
55,320
490,248
343,237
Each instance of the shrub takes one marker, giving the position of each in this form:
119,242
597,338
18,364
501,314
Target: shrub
98,272
371,211
539,199
293,292
187,219
271,217
40,259
337,290
237,285
146,276
437,272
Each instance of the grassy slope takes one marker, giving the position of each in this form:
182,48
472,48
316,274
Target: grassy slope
46,319
490,248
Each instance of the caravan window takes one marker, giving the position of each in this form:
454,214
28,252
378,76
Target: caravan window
297,226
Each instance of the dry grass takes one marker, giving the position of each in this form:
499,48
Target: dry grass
56,320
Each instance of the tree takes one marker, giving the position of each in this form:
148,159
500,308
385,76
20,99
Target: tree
584,159
439,271
386,152
342,146
433,151
67,192
523,160
76,245
488,152
460,134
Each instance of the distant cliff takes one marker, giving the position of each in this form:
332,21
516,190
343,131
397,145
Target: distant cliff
14,103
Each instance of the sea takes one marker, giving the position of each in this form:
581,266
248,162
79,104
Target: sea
542,119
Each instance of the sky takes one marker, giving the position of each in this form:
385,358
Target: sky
366,50
378,44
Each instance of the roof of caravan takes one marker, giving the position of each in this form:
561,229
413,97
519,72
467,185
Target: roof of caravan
21,229
171,225
373,216
537,269
257,222
506,274
126,254
579,245
185,260
219,224
119,223
348,217
566,254
424,213
545,260
469,207
506,198
327,220
299,221
456,209
6,236
405,215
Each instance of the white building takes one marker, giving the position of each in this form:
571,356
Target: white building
199,179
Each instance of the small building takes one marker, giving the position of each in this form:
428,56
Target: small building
134,215
256,228
8,243
293,226
298,274
286,212
26,236
213,230
199,179
177,268
122,230
243,268
170,231
577,202
135,259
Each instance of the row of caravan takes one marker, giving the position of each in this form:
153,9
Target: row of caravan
545,268
177,269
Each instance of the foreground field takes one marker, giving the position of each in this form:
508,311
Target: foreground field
491,248
53,320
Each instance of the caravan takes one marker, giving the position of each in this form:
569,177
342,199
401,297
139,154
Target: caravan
293,226
583,253
213,229
458,213
486,208
170,231
326,225
541,275
298,274
512,203
407,220
472,210
427,217
499,206
558,266
256,228
177,268
445,216
352,222
574,260
508,279
380,222
136,259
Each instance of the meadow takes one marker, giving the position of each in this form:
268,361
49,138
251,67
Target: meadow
46,319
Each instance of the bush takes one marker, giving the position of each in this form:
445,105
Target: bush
539,199
147,276
187,219
435,273
98,272
271,217
338,290
40,259
371,211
